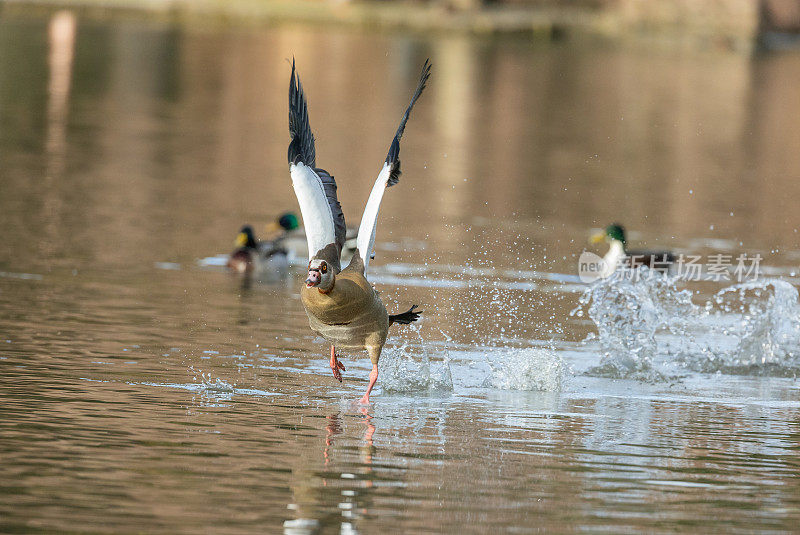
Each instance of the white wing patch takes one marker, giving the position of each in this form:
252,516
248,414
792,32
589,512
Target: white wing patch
314,207
369,220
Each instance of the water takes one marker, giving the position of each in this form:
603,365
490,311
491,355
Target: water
143,389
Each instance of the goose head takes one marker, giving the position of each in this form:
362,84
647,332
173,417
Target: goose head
320,276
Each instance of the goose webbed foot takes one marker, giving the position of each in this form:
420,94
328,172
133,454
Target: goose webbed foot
336,365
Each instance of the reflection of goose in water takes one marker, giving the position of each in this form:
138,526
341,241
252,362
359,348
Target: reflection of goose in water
341,304
317,491
333,428
619,255
368,449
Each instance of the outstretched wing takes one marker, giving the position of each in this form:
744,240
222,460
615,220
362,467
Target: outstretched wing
389,176
315,188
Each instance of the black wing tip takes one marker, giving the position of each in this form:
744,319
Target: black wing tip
393,157
394,151
301,146
394,174
426,73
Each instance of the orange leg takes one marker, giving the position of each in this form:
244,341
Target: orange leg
373,378
336,365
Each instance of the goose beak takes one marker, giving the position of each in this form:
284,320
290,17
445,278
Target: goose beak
313,279
597,237
241,239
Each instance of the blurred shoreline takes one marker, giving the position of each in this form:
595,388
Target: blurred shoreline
736,25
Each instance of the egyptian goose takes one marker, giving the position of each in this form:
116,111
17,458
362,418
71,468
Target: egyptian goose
619,255
342,306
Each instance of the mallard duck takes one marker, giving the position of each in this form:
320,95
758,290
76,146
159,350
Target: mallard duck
283,225
341,304
255,259
618,253
285,245
286,231
292,237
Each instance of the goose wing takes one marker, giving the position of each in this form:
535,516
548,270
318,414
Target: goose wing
315,188
389,176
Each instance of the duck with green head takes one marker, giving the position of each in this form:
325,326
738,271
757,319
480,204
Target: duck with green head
254,258
285,244
619,255
283,226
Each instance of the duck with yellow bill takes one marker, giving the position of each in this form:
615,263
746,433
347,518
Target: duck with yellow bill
618,253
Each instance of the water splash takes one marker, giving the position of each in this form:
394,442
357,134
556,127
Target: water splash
214,385
403,372
648,329
628,313
768,331
526,369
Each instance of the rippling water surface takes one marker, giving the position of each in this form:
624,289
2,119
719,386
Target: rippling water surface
144,390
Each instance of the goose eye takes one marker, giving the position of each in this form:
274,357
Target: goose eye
324,268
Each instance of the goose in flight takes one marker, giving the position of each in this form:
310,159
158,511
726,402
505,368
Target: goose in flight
342,306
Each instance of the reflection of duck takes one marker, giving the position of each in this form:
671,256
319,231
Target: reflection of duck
618,253
341,304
